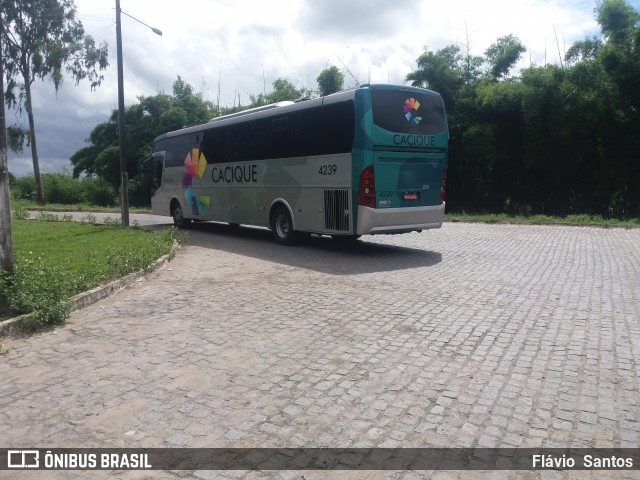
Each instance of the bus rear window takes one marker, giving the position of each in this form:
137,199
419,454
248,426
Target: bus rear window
405,111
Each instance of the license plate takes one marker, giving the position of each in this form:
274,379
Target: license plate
410,196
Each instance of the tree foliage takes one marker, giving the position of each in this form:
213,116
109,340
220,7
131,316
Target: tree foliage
43,38
503,55
441,71
147,119
330,80
553,139
549,139
283,90
144,121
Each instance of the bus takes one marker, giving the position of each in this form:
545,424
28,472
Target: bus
366,161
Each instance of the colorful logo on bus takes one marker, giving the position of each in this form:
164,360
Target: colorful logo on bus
411,106
195,163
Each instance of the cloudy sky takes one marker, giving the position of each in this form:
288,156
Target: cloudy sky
250,43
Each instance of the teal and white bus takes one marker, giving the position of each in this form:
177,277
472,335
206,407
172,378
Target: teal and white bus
371,160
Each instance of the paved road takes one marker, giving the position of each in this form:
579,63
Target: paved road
472,335
135,219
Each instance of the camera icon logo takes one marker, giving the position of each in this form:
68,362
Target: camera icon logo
23,458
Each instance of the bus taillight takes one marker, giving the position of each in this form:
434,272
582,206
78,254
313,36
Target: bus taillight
444,184
367,192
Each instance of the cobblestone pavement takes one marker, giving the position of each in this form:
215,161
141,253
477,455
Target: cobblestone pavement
473,335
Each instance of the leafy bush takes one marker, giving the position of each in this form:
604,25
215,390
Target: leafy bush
64,189
112,222
24,187
19,213
140,190
47,217
99,192
61,188
37,288
89,218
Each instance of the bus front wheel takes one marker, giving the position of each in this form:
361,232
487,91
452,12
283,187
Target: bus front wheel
178,216
282,227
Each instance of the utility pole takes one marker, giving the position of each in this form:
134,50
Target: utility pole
124,175
6,251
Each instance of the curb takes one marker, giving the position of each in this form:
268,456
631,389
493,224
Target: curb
82,300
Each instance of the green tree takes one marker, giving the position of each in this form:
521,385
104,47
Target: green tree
455,77
144,121
586,49
330,80
43,38
283,90
6,246
620,58
554,139
620,25
441,71
503,55
618,21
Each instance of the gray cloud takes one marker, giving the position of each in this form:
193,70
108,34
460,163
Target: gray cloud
378,40
355,19
62,125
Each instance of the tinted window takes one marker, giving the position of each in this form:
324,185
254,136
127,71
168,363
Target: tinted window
314,131
214,145
328,129
176,148
408,112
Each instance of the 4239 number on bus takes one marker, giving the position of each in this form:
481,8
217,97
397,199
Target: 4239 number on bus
328,169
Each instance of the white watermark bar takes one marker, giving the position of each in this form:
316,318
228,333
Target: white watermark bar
319,459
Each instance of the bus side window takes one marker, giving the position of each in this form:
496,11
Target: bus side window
157,167
237,143
280,124
246,142
157,173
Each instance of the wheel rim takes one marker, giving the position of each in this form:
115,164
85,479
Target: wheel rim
282,225
177,215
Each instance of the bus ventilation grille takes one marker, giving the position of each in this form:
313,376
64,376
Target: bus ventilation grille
336,210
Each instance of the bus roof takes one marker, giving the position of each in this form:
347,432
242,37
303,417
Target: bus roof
287,106
252,110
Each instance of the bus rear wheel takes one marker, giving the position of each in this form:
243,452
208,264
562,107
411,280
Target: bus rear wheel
282,227
178,216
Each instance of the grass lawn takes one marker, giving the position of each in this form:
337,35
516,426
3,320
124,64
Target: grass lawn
72,257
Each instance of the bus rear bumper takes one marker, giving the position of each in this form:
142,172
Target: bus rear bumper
373,221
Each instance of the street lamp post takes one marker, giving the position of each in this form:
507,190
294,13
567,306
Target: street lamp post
124,176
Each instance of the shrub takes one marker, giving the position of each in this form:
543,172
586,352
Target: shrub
112,222
61,188
19,213
47,217
98,192
24,187
140,191
35,287
89,218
